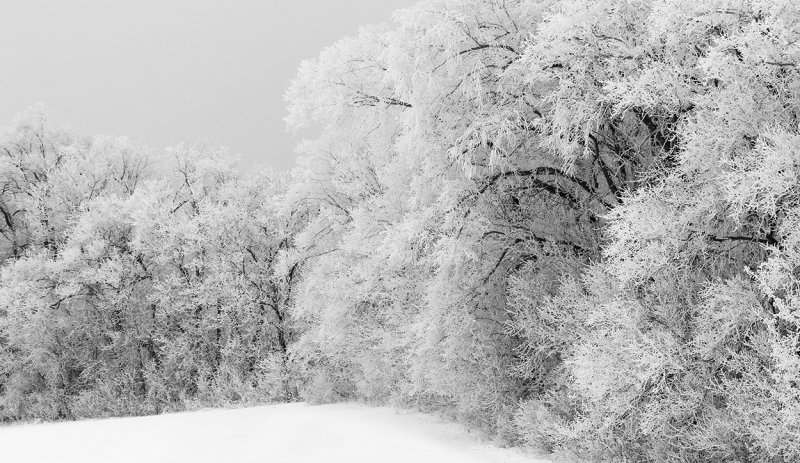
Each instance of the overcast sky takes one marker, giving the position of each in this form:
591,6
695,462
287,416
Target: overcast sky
163,70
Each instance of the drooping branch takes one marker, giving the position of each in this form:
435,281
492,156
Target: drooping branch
768,240
604,169
550,188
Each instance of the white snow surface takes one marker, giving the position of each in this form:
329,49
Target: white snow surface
286,433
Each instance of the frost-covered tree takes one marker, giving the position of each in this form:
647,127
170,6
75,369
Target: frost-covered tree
683,353
133,295
441,181
219,307
581,205
47,173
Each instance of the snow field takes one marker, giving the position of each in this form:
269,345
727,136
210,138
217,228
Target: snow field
286,433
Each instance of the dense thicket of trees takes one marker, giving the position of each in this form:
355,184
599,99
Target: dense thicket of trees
572,223
569,222
123,292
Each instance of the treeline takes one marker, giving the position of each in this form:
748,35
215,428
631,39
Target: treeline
133,287
574,224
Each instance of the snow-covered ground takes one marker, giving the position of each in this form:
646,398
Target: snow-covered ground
270,434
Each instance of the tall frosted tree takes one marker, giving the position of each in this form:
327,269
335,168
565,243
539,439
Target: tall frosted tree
449,174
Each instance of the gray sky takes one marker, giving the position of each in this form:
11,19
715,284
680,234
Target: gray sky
163,70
